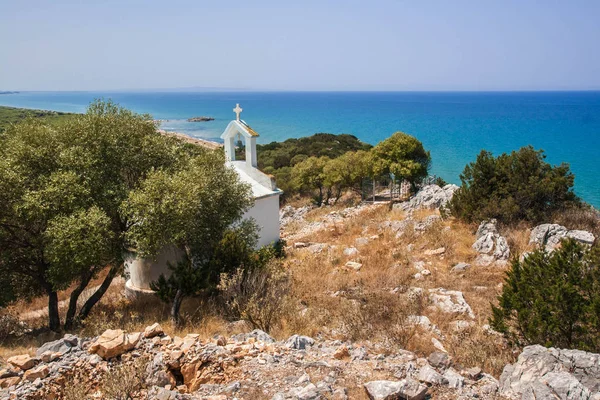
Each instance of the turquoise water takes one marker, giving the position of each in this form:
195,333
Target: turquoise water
453,126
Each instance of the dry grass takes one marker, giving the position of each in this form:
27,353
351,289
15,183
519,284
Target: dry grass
369,305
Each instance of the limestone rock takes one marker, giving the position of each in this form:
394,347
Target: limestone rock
430,197
23,361
439,359
392,390
153,330
39,372
353,266
6,383
549,236
455,380
461,267
490,245
350,251
256,334
568,374
113,343
450,301
435,252
431,376
299,342
63,345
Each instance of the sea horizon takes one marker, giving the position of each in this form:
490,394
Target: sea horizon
454,125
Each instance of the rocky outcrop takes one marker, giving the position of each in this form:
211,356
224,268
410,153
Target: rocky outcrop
113,343
549,373
491,246
246,366
450,301
429,197
549,236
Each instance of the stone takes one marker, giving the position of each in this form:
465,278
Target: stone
429,375
429,197
157,374
450,301
438,345
455,380
299,342
63,345
256,334
473,373
549,236
435,252
353,266
392,390
569,374
341,353
153,330
308,392
350,251
39,372
113,343
490,245
23,361
363,241
461,267
439,360
6,383
49,356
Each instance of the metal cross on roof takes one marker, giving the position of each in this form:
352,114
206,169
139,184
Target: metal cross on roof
237,110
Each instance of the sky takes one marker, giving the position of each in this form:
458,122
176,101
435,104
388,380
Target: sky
398,45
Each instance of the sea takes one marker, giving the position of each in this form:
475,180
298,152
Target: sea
453,126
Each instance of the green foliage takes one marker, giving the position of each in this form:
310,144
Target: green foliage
309,174
553,299
404,156
278,158
12,115
61,189
440,182
512,187
191,208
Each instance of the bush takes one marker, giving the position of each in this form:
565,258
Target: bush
552,299
512,187
258,295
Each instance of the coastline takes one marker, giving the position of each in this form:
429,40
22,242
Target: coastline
188,139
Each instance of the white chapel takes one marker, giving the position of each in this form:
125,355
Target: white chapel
266,194
143,271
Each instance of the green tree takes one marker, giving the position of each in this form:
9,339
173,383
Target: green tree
404,156
61,187
308,176
512,187
348,171
192,209
552,299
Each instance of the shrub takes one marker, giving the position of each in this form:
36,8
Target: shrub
258,295
512,187
123,381
552,299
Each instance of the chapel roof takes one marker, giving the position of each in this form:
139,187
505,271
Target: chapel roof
251,131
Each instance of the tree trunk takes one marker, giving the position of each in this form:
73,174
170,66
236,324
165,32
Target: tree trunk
95,298
175,317
53,315
70,318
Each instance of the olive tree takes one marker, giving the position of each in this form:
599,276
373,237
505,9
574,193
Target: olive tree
192,209
61,188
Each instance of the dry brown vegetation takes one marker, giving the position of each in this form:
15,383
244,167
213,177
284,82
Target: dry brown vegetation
326,300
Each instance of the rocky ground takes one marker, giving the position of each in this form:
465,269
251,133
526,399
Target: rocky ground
151,365
405,256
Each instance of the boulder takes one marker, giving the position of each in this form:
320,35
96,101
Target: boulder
6,383
439,359
461,267
549,236
63,345
430,197
455,380
491,246
23,361
298,342
350,251
450,301
153,330
429,375
113,343
39,372
393,390
567,374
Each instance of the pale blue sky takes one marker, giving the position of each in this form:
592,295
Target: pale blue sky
300,45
